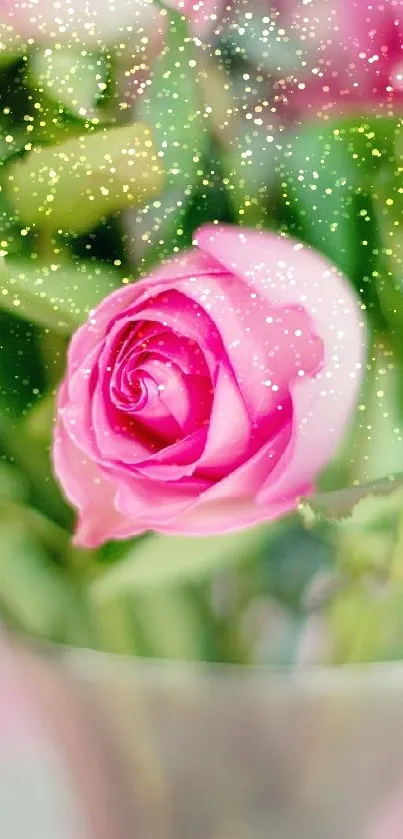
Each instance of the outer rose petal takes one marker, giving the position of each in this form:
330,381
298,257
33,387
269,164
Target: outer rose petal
117,506
88,490
296,275
191,263
151,503
259,339
213,518
231,504
228,505
361,66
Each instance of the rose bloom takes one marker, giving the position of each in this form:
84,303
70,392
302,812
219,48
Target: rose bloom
352,56
208,396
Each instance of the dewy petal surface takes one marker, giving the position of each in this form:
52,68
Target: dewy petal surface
266,345
173,404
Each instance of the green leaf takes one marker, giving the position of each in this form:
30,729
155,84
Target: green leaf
76,80
31,590
160,621
21,371
73,185
327,173
169,623
32,458
295,557
160,559
367,623
249,164
173,107
12,141
115,627
38,422
144,603
263,44
58,296
379,428
13,484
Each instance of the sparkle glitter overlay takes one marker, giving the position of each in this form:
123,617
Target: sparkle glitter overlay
200,318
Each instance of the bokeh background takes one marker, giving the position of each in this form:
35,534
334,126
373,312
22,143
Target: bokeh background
282,116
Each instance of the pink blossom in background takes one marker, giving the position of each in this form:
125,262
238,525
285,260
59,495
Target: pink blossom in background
377,35
352,54
208,396
203,15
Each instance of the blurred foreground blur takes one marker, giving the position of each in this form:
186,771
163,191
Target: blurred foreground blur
95,746
58,776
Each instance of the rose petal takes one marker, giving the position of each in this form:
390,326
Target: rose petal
190,263
150,503
186,398
176,461
287,273
231,504
119,437
90,492
229,434
266,345
176,413
223,517
228,505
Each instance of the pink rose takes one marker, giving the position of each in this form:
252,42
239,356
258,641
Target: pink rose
376,32
208,396
352,57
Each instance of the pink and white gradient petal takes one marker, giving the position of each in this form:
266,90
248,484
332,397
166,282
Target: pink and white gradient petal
289,273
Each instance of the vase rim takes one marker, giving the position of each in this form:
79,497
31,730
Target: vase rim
92,665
